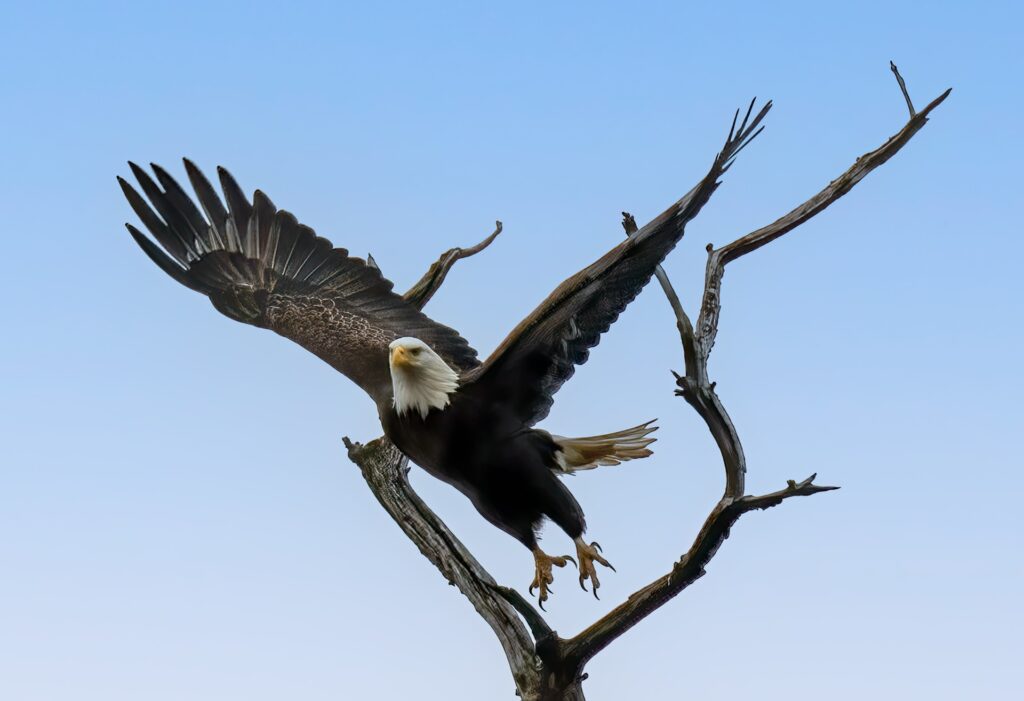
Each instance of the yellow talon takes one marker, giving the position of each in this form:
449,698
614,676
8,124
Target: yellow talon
588,555
543,577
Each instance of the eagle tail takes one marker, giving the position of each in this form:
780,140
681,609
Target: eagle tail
576,454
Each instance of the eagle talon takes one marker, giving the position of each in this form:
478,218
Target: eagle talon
588,555
543,578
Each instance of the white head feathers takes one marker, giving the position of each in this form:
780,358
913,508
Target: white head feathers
421,380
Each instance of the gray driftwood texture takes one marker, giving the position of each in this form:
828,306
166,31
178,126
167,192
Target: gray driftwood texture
544,665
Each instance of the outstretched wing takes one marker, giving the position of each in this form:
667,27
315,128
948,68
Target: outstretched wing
541,353
258,265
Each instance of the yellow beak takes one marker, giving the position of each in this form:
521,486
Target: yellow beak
400,358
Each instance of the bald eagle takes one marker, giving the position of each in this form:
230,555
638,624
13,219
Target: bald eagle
468,423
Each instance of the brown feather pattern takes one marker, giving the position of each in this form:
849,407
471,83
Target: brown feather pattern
258,265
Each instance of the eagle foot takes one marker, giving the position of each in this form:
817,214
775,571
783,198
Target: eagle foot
588,555
543,577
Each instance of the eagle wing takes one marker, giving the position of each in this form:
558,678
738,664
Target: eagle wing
258,265
542,352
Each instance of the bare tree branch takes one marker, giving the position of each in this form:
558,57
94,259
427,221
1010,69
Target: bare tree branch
538,626
685,572
701,395
420,293
386,470
707,321
903,88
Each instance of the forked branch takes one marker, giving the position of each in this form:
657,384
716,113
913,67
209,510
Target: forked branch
707,321
685,572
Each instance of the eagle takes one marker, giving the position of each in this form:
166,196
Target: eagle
469,423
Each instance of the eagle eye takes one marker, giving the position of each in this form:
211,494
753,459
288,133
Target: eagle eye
416,351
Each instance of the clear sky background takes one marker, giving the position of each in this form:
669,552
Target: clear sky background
178,519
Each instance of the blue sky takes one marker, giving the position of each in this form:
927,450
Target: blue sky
177,516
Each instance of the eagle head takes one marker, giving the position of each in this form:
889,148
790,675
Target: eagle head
420,378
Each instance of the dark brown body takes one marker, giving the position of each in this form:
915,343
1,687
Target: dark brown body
503,467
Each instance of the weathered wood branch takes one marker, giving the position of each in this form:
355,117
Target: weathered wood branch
386,471
420,293
685,572
903,88
711,305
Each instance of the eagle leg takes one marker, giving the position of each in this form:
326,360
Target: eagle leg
588,555
543,577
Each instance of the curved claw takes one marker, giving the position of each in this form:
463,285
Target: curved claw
589,555
543,577
586,574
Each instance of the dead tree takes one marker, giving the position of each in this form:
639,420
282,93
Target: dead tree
544,665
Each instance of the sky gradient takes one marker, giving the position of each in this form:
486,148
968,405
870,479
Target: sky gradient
178,519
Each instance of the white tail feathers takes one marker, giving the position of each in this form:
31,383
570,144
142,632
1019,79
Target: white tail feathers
577,454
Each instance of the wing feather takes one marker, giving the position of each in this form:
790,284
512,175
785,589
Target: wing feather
212,207
542,352
258,265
